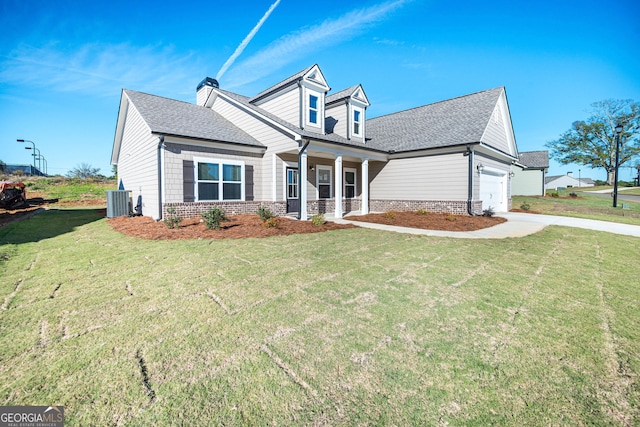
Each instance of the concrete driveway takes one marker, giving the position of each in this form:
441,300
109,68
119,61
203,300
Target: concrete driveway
517,225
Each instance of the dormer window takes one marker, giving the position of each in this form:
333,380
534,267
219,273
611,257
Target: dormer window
313,109
356,122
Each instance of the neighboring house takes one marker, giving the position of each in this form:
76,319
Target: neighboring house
298,149
566,181
529,173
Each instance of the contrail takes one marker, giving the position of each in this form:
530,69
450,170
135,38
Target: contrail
246,41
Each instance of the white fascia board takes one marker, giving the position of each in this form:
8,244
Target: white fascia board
462,148
117,139
499,155
213,144
294,135
364,101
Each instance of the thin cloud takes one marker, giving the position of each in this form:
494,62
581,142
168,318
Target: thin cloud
246,41
295,45
97,69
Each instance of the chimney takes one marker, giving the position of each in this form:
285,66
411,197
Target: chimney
570,174
204,90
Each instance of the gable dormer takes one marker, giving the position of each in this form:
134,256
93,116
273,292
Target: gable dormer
298,99
346,113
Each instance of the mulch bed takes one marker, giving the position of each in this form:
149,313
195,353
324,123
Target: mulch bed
244,226
431,221
238,227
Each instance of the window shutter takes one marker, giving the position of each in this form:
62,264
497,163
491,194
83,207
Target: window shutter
188,181
248,183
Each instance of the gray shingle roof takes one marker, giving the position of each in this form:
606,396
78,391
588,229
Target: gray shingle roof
452,122
283,83
245,101
344,93
178,118
535,159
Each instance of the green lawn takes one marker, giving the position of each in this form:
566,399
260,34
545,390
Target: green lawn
586,205
351,327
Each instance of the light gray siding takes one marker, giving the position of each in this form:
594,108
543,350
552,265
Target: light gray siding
286,106
273,139
527,182
420,178
175,154
337,117
138,163
495,134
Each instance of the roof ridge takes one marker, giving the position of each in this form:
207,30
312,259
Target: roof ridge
437,102
163,97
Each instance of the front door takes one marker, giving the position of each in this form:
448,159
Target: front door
293,202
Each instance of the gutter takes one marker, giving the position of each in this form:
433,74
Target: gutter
160,164
471,154
304,147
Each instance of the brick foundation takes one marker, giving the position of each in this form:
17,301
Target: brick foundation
456,207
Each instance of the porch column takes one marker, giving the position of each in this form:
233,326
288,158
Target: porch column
364,208
302,197
338,190
274,177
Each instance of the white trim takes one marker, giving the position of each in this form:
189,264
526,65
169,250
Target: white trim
355,182
285,165
338,187
364,209
352,120
221,163
330,169
302,176
274,179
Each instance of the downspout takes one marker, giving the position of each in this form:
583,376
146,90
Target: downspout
160,162
471,154
304,147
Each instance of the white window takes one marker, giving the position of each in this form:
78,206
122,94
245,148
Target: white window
324,183
218,179
313,109
357,114
349,183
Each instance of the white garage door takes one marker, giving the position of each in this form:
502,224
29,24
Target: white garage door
493,191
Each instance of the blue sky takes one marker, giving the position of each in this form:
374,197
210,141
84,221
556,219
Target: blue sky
63,64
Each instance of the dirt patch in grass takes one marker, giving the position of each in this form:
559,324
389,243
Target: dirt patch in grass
431,221
238,227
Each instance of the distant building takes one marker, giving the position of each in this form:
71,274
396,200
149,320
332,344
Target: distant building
23,169
529,173
566,181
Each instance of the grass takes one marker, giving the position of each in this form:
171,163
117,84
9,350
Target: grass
68,190
351,327
587,205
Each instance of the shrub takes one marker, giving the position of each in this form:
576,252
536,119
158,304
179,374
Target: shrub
264,213
489,212
318,220
272,222
525,206
213,217
450,217
554,194
172,220
573,195
422,211
389,215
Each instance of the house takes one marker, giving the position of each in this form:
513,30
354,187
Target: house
566,181
300,149
529,173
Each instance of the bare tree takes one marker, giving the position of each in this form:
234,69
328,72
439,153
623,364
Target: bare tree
83,170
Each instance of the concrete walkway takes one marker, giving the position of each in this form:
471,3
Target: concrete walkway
517,225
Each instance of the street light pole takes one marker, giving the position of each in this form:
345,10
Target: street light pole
34,150
615,177
44,170
36,156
